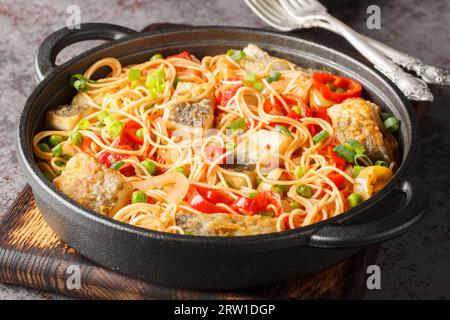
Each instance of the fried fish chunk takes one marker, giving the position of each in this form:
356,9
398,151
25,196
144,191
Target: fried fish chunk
222,224
359,119
67,116
93,185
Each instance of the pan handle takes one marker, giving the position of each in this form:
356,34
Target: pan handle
57,41
351,236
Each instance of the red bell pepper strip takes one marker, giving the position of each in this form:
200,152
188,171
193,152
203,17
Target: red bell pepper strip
197,201
266,198
183,55
344,88
337,179
340,162
226,92
129,132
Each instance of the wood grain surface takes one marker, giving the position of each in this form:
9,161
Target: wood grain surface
31,255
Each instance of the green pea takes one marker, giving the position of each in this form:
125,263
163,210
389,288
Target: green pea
138,197
156,56
149,166
57,151
76,138
54,139
44,147
305,191
140,133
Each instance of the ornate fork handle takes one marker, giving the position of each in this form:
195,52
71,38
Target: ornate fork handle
429,74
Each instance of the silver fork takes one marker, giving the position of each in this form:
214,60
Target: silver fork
272,13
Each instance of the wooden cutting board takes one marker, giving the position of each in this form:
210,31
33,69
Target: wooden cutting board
32,256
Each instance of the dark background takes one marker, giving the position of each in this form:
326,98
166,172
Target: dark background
415,265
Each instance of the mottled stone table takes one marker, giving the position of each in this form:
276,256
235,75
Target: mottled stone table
413,266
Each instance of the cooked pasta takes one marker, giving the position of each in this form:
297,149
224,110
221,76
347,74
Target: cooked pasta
235,144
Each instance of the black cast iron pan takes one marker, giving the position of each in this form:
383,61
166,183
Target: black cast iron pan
216,262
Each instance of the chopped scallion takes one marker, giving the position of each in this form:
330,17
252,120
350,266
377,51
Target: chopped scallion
283,129
355,146
117,165
354,199
362,159
236,55
345,153
134,74
392,124
83,124
381,163
274,76
321,136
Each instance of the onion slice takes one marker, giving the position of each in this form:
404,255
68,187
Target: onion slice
175,184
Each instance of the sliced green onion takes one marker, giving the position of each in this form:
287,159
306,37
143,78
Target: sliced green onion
80,82
76,138
156,56
299,172
44,147
60,163
340,90
189,233
149,166
265,213
250,77
253,194
331,86
117,165
182,170
362,159
57,151
55,139
392,124
278,190
83,124
236,55
101,116
384,116
155,83
295,205
354,199
305,191
345,153
109,120
274,76
355,146
258,86
140,133
283,129
297,109
138,197
134,74
356,170
115,129
238,125
321,136
147,107
381,163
